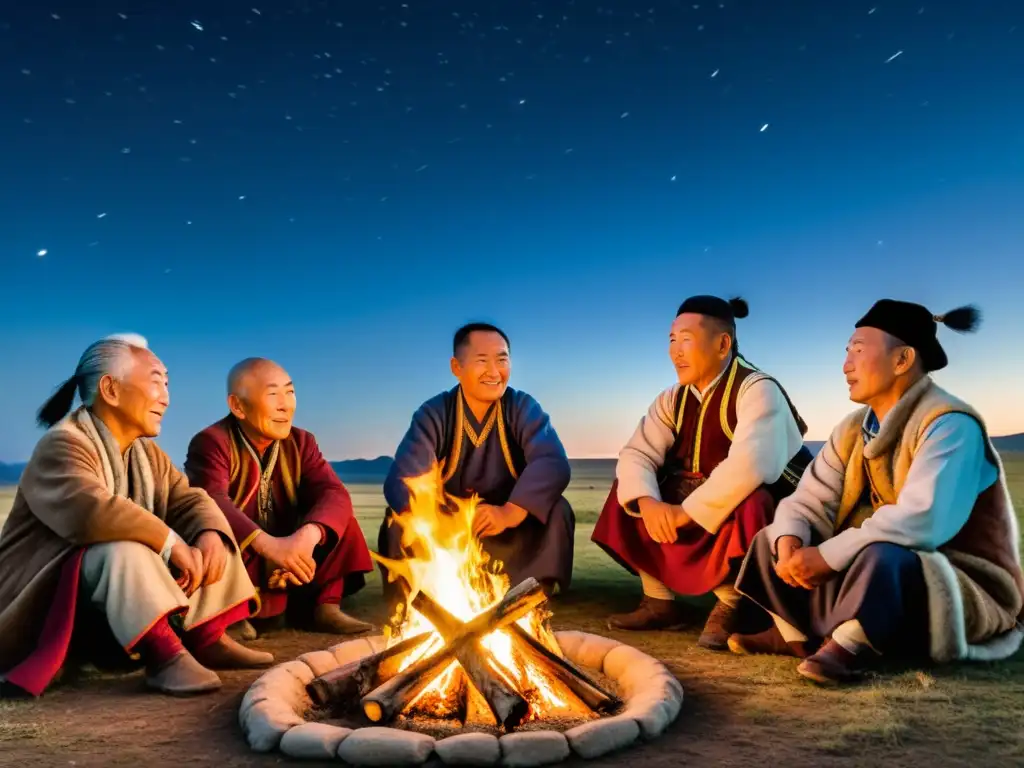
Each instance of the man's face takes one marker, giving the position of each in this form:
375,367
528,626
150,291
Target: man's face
874,361
698,349
266,402
483,366
141,395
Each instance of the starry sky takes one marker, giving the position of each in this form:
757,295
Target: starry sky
338,186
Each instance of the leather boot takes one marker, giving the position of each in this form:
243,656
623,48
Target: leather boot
721,624
331,619
831,665
228,654
652,613
768,643
243,630
183,676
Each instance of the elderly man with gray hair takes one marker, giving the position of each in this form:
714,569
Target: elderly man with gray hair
107,544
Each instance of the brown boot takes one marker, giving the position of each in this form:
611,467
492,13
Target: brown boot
770,642
331,619
183,676
243,630
652,613
721,624
227,654
831,665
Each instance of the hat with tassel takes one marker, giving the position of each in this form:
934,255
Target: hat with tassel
917,327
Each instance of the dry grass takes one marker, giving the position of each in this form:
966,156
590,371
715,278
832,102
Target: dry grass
757,709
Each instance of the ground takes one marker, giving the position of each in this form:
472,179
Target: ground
737,711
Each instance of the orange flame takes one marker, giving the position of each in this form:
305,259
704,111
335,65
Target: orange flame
449,564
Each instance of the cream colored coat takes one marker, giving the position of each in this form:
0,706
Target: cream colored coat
63,503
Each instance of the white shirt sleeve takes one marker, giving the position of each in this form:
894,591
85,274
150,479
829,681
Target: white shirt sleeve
644,453
815,502
946,475
169,542
765,439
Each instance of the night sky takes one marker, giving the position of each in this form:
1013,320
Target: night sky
339,185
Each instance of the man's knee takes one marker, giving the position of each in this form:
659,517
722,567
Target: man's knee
118,552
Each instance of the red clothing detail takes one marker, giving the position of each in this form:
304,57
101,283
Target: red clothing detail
321,499
698,561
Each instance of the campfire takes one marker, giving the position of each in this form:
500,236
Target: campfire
465,644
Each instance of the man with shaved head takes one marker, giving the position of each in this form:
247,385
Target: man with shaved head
289,511
108,553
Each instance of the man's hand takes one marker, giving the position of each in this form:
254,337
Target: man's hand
215,556
805,568
293,554
491,520
659,519
189,562
785,547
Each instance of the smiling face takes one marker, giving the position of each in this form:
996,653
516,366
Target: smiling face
876,365
264,402
483,366
138,398
699,348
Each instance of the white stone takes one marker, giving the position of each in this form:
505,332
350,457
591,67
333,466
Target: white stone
266,722
377,643
585,649
351,650
285,683
313,741
377,746
630,668
469,749
599,737
320,662
655,707
531,748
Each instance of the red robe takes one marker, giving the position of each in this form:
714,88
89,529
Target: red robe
303,488
698,561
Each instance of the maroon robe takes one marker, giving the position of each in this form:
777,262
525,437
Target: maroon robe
303,489
698,561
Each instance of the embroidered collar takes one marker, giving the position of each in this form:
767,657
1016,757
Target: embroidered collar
701,394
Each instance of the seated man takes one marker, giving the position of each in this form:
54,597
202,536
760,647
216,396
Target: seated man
701,474
498,443
291,514
103,523
901,537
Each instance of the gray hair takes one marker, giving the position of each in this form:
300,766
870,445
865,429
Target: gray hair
110,356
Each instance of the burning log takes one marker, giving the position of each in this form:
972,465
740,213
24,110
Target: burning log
575,679
382,704
507,706
345,685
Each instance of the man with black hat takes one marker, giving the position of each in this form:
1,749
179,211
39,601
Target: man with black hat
701,474
901,538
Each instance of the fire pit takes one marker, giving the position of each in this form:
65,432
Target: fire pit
469,671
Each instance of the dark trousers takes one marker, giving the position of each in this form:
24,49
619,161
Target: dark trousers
883,589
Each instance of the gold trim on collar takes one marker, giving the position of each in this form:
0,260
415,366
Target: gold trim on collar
464,428
704,402
737,362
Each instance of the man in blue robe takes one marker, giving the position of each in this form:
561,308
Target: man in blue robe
498,443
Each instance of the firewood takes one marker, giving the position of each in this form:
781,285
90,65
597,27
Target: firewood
393,696
575,679
342,688
508,707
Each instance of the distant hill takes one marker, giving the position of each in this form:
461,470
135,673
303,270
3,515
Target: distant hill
1003,444
375,470
363,470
